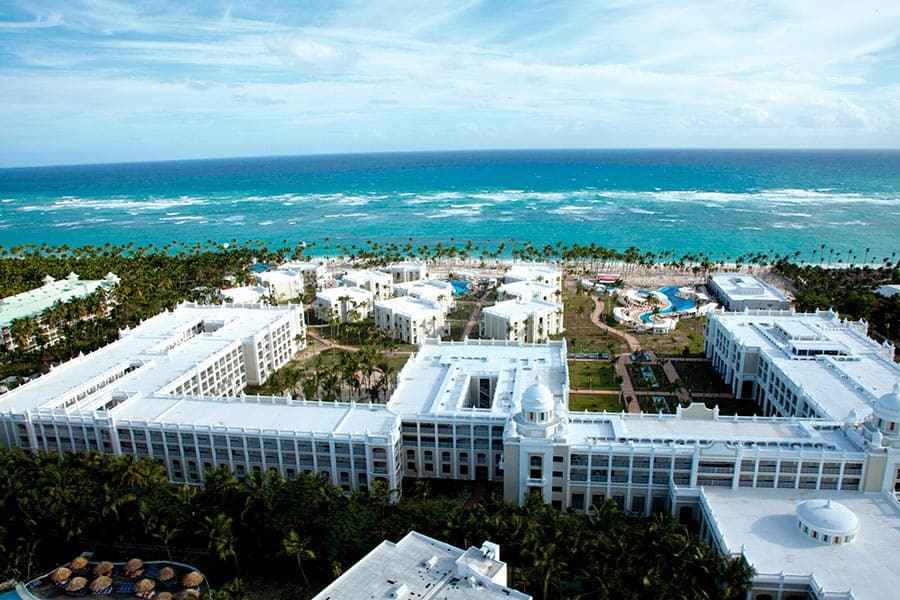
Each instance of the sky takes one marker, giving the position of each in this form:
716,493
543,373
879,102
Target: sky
85,81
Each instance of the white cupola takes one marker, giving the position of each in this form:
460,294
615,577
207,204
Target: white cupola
537,404
827,521
887,412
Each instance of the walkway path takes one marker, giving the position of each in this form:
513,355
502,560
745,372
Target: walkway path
633,344
598,392
474,316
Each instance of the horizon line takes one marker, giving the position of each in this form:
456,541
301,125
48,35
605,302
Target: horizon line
454,151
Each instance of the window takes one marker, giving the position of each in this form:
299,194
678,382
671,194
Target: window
578,501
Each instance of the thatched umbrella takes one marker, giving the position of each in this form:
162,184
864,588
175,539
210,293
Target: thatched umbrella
189,594
103,568
164,596
134,567
77,584
78,564
144,588
60,575
166,575
192,580
101,583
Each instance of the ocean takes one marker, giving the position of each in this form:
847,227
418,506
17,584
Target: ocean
723,203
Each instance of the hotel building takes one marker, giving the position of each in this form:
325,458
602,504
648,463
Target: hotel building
439,292
410,319
380,284
315,275
529,290
422,567
801,364
33,303
406,271
344,304
495,411
527,321
535,272
246,294
736,292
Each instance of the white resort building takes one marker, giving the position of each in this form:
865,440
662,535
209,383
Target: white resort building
529,290
406,271
315,274
736,291
246,294
535,272
801,364
422,567
810,502
343,304
33,303
291,280
380,284
410,319
440,292
527,321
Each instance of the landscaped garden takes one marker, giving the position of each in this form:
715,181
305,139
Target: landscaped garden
700,376
592,375
596,402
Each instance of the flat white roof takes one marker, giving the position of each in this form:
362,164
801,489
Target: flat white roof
159,350
410,306
266,414
699,427
532,271
763,523
336,293
404,266
361,277
520,309
738,286
888,290
526,288
419,567
435,380
300,266
34,302
853,377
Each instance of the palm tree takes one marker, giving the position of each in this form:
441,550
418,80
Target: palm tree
298,547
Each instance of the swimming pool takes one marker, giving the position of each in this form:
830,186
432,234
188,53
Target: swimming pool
676,304
459,287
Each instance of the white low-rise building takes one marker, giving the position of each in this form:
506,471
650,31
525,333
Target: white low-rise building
34,303
888,290
529,290
246,294
521,321
736,292
283,284
535,272
801,364
406,271
421,567
380,284
315,274
440,292
410,319
343,304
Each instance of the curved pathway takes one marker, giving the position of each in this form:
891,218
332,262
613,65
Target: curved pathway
633,344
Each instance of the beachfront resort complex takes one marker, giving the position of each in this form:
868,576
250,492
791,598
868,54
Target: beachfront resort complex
37,303
807,492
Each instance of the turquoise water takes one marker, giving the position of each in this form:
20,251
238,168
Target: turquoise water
11,595
676,304
721,202
459,287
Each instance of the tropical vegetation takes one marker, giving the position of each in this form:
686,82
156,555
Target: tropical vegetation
283,538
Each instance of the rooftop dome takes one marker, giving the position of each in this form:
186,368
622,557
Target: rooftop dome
888,406
537,398
827,517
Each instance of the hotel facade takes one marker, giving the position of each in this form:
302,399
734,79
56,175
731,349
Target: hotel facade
488,410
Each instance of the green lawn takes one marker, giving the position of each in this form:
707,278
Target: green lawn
687,335
592,375
581,334
595,402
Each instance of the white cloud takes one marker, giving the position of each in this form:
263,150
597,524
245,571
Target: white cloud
460,75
